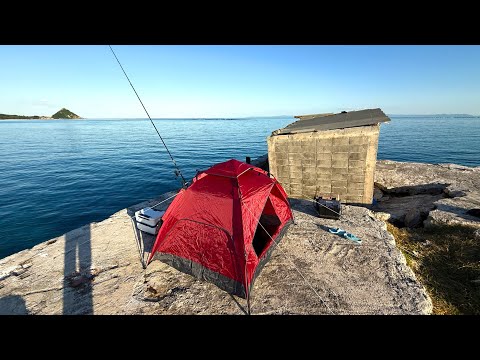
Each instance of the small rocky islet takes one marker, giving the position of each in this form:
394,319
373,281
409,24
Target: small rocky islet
63,113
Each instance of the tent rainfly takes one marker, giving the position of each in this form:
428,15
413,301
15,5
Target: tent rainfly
216,229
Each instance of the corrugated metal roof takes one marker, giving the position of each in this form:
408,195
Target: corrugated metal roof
336,121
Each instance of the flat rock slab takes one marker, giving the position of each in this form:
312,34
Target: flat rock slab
460,184
399,207
97,269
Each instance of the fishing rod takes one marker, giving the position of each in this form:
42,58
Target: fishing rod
177,171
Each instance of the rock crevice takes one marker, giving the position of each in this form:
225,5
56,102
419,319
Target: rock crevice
415,195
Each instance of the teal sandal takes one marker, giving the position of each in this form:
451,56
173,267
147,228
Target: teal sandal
352,238
337,231
345,234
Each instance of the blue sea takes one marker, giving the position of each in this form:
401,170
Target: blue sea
57,175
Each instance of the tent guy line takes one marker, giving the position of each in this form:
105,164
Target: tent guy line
161,202
225,240
208,233
277,246
293,264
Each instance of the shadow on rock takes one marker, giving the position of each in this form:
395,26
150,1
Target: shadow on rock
13,305
77,289
304,206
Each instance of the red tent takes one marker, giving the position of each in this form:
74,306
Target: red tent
211,229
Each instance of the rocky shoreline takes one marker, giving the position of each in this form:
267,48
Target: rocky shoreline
97,269
417,194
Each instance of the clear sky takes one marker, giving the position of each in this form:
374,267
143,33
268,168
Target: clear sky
239,80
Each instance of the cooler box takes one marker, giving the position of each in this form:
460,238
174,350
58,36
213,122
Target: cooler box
149,220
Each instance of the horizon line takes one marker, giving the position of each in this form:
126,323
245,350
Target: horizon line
240,117
260,116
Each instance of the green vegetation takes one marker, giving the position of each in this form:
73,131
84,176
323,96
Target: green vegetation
446,260
6,116
65,114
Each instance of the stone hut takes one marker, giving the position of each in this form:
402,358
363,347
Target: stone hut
329,155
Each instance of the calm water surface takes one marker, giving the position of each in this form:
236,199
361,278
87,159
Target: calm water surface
57,175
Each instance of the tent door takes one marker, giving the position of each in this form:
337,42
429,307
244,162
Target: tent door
269,221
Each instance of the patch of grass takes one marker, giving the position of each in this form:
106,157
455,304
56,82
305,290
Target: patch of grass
446,260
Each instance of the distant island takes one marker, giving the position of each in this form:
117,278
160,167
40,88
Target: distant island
61,114
65,114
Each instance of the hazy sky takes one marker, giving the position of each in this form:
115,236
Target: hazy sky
237,80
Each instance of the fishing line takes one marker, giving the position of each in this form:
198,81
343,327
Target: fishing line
177,170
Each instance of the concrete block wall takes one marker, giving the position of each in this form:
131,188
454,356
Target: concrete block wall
335,163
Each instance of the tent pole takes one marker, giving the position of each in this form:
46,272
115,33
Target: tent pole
248,303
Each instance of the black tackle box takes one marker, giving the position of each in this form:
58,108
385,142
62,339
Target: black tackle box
330,208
